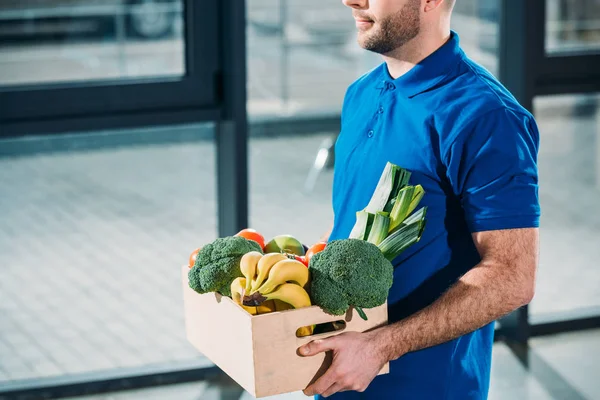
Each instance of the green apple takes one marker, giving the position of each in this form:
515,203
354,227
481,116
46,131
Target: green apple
284,244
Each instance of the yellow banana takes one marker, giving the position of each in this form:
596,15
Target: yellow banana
290,293
237,288
263,267
248,265
301,332
285,271
266,307
305,331
281,305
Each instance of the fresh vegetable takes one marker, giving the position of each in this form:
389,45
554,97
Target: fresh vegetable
350,272
218,264
379,229
192,258
285,244
390,224
314,249
408,233
393,178
252,234
302,259
358,271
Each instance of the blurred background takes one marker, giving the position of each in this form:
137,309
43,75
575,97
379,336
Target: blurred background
118,158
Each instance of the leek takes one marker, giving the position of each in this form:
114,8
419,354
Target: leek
417,196
387,221
379,229
392,179
405,203
362,226
401,206
409,233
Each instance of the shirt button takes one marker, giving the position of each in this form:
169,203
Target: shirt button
380,111
370,133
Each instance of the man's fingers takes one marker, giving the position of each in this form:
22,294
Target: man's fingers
333,389
327,380
317,346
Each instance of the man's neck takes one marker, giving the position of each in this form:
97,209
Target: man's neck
403,59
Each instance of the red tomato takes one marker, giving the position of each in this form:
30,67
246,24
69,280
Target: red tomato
251,234
302,259
193,256
314,249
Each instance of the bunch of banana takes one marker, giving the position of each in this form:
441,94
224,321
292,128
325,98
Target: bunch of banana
272,282
237,295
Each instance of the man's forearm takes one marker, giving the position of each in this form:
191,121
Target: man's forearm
484,294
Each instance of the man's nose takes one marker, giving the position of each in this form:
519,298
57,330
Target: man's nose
357,4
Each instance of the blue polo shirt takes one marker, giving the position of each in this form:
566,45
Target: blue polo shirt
473,148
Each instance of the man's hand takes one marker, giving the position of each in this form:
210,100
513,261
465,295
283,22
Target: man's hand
357,359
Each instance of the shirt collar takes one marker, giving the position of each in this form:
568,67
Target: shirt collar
429,72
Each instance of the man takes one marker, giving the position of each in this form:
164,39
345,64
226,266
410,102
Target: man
430,109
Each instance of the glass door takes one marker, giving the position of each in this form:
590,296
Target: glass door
84,58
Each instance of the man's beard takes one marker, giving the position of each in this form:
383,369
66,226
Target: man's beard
394,31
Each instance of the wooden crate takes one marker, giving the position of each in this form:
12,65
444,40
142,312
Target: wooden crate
259,352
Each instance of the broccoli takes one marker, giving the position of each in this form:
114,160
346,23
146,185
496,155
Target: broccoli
218,264
350,272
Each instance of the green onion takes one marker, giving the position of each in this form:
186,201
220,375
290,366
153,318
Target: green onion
379,229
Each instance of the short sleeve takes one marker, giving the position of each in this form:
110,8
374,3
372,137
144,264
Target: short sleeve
492,168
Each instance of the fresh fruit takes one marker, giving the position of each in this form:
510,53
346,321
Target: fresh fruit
285,244
237,292
296,257
305,331
314,249
193,256
264,266
252,234
266,307
290,293
282,306
248,265
282,272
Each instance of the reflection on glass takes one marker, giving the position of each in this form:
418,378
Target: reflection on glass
280,200
572,25
302,55
569,163
92,243
81,40
477,22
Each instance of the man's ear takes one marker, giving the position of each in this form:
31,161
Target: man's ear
431,5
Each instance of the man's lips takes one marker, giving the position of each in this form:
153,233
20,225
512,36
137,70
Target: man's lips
363,23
